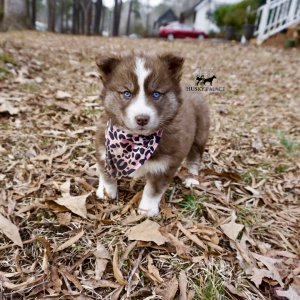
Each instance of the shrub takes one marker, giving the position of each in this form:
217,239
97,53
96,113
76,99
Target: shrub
235,14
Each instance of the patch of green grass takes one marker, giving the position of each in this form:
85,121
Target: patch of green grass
30,87
290,145
193,205
77,248
90,112
179,265
7,58
3,73
46,141
281,169
246,176
247,216
210,286
261,171
92,89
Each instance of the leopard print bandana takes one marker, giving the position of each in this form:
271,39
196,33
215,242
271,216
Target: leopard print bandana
125,152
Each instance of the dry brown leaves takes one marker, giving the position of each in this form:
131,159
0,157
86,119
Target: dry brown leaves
239,229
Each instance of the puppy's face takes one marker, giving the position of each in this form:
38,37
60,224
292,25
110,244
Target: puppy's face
141,93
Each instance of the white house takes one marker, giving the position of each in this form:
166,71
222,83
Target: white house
204,11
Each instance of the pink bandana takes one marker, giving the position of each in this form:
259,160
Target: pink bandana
125,152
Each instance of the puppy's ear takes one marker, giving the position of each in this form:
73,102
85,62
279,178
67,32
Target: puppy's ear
106,65
174,64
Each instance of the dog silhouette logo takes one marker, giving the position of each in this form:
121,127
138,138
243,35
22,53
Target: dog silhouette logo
205,80
202,80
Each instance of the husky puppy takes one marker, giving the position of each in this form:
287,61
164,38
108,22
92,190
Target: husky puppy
150,125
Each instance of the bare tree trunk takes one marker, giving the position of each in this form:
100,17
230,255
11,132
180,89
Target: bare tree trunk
119,15
51,15
1,9
81,18
67,18
15,15
87,14
33,12
97,21
116,18
76,16
128,18
62,15
103,14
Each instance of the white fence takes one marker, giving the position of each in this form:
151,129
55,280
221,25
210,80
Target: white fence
275,16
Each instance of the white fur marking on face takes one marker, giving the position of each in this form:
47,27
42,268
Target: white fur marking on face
139,105
149,204
111,188
157,166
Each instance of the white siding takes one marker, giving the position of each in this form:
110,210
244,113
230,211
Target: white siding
201,21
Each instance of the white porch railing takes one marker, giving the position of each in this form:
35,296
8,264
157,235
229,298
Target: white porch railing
275,16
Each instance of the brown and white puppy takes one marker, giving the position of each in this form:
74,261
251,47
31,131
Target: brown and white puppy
147,87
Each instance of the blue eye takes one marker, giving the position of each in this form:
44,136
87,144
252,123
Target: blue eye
127,94
156,95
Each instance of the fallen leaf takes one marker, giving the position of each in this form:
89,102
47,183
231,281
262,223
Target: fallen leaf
64,218
117,272
135,199
259,274
182,285
76,204
100,268
101,252
70,241
10,230
57,283
65,188
132,219
192,237
181,249
70,276
270,264
232,289
93,283
252,190
291,294
6,106
147,231
60,95
102,257
153,270
232,229
46,245
257,144
115,295
170,291
296,284
125,255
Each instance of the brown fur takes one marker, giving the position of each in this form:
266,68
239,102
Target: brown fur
185,125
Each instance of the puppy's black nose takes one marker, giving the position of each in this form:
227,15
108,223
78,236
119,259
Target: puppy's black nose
142,120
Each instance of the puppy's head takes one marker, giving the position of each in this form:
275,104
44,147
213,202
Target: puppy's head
141,93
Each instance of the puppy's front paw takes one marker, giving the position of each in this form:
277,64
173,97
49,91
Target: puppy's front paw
109,189
148,208
188,182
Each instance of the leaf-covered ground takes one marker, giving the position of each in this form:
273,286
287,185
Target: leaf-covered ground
236,236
